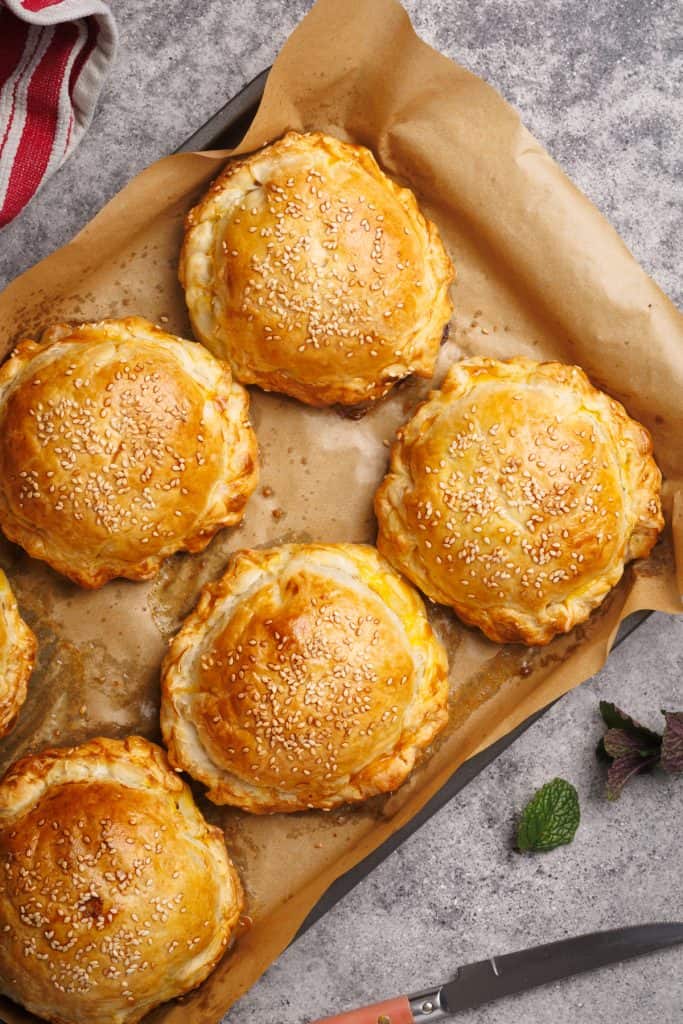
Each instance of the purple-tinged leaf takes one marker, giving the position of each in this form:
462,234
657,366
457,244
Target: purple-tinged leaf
623,769
672,742
619,743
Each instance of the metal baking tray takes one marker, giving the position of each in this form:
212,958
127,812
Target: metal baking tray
225,130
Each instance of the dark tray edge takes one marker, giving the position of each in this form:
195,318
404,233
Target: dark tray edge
228,125
225,130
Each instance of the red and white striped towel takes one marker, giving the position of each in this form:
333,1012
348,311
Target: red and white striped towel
54,55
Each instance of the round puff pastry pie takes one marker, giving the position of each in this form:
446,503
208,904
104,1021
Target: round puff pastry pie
314,274
516,494
17,656
115,894
119,445
308,676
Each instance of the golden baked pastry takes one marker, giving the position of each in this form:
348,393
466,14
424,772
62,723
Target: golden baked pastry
308,676
17,656
115,894
516,494
314,274
119,445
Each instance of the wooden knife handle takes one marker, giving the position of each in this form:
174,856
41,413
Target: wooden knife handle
393,1011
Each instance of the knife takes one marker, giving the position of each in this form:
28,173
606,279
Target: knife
487,980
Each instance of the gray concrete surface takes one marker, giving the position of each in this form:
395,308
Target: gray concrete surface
600,84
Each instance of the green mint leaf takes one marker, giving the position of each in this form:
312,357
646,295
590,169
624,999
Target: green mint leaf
672,742
619,743
551,817
624,768
615,718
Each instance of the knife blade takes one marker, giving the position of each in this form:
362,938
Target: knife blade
487,980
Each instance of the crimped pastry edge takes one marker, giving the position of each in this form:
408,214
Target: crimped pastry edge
221,511
237,178
180,736
513,625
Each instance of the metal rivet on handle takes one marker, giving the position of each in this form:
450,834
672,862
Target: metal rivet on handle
427,1007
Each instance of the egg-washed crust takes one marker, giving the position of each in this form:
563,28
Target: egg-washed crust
120,444
107,869
516,494
17,657
308,676
314,274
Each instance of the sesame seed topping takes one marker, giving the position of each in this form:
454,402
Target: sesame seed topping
108,455
88,906
312,274
504,500
302,687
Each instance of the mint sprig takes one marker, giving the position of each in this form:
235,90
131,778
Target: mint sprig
551,817
631,748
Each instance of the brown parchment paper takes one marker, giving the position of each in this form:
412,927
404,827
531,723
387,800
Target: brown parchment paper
540,273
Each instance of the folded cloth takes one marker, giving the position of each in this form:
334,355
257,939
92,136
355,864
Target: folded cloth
54,55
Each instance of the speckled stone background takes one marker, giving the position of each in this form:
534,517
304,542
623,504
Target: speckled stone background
600,84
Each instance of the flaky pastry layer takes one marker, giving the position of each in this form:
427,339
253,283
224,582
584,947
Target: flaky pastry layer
314,274
307,676
119,445
115,894
17,657
516,494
